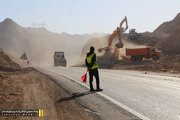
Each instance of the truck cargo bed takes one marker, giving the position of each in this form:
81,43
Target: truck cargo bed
137,51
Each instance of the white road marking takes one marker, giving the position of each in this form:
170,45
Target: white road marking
91,111
107,97
154,82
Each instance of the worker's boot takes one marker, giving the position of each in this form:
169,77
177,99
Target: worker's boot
92,89
99,89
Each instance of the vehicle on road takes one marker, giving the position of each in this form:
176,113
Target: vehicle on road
59,59
137,54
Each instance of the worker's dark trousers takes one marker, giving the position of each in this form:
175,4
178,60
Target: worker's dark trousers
95,73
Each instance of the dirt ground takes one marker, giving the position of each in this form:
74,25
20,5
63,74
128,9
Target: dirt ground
169,64
28,89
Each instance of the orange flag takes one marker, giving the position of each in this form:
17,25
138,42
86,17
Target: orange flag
84,78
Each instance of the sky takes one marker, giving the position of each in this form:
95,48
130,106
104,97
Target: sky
89,16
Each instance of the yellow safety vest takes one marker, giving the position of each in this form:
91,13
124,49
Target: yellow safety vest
89,59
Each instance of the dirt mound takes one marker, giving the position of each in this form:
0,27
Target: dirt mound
171,45
166,64
168,28
166,37
6,64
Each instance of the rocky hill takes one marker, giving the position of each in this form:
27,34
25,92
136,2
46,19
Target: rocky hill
171,45
168,28
166,37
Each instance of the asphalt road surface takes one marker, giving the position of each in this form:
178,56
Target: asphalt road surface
148,95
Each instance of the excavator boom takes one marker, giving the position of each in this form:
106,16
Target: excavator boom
118,32
121,24
112,36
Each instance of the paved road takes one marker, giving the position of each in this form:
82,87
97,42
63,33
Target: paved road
152,95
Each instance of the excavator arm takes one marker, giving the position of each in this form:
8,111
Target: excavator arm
118,32
112,36
121,24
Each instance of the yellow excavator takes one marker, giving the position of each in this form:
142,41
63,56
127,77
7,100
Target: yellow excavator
119,45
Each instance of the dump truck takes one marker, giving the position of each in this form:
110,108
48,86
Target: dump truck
59,59
137,54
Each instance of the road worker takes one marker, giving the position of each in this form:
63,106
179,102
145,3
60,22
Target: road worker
92,66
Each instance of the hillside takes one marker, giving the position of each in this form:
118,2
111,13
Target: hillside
39,44
6,64
171,45
168,28
166,37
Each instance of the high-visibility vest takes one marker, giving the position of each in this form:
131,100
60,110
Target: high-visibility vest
89,60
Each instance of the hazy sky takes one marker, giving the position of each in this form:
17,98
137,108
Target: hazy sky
88,16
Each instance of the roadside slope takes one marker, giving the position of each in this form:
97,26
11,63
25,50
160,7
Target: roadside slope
26,88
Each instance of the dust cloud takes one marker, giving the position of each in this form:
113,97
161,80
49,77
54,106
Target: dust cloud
39,44
106,57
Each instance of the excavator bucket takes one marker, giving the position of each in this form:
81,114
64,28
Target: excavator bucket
119,45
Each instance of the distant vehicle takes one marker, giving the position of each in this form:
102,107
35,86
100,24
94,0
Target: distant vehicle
133,35
59,59
137,54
